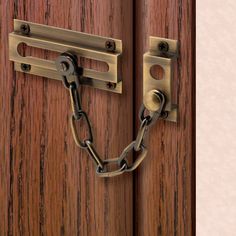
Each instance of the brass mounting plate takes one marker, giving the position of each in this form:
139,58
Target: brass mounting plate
61,40
165,60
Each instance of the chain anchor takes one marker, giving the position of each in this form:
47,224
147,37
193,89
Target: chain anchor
67,66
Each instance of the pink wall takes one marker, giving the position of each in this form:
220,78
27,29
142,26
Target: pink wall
216,117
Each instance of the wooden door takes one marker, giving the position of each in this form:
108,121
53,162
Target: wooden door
47,185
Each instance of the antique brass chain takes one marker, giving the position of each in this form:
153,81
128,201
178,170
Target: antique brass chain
67,65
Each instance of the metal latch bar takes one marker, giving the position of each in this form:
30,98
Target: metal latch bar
61,40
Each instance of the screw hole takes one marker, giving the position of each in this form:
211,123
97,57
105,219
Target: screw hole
157,72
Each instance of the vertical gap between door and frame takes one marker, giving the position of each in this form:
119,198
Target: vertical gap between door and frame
185,8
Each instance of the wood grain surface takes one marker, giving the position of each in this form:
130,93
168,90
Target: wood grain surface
165,183
47,184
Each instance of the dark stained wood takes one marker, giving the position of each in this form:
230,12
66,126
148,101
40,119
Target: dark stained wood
164,184
48,185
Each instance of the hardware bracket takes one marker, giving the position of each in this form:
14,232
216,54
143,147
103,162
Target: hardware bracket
83,45
161,52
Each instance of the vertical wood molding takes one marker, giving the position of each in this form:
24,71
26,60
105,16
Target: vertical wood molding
48,185
165,183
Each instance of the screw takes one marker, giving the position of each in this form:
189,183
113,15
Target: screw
163,46
164,114
25,67
64,66
110,45
25,29
111,85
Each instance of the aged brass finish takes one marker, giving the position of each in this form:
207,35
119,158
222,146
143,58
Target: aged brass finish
60,40
152,100
67,65
161,52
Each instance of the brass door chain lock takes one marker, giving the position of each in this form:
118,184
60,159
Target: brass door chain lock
67,66
157,101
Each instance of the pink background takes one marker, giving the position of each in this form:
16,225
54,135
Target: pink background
216,117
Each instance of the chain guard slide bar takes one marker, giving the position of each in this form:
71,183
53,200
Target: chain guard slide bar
106,50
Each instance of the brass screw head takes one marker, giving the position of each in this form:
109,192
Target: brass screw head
110,45
25,67
163,46
111,85
25,29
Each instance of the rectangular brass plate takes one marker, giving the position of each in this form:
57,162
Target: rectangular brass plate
61,40
155,57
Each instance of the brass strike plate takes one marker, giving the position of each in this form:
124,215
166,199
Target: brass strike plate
161,52
83,45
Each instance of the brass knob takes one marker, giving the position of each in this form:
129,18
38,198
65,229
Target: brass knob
152,100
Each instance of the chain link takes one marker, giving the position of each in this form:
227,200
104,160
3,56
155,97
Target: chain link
75,101
121,164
